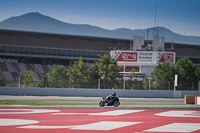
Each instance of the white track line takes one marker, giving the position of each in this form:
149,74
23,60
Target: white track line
177,127
107,113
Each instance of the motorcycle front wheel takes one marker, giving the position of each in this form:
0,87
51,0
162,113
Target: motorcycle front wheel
116,104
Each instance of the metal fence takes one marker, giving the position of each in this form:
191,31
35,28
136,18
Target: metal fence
123,84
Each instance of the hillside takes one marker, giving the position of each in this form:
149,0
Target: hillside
40,23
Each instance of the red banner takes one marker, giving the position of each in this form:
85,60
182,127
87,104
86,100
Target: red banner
166,57
127,56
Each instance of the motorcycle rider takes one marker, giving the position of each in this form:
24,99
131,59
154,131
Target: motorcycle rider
111,98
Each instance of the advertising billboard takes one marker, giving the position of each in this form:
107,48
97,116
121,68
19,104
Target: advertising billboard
142,57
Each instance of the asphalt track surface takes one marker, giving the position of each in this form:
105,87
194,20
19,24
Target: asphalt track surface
137,102
91,99
162,118
59,120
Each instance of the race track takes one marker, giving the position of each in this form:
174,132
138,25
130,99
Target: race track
54,120
92,99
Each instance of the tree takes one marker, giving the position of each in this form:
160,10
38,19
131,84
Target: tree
163,75
57,77
186,73
108,70
197,72
78,73
43,82
132,82
94,75
146,83
27,78
2,79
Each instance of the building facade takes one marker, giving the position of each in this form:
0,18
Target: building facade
21,51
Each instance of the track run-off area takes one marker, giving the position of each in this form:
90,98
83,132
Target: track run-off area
112,120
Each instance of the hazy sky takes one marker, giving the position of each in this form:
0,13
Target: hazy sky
180,16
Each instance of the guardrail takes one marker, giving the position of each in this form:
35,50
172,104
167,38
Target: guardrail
95,92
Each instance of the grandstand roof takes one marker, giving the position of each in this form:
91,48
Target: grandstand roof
75,42
48,40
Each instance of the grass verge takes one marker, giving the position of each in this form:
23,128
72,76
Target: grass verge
13,102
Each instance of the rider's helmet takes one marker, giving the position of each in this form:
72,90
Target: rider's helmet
114,94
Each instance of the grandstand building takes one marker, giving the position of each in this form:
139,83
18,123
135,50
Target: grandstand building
21,51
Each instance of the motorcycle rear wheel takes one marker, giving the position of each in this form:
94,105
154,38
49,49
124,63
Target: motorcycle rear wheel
102,104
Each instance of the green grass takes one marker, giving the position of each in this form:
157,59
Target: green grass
13,102
152,104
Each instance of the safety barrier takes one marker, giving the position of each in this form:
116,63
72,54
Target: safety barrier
197,100
192,99
189,99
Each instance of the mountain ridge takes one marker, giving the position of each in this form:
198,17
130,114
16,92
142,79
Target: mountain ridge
37,22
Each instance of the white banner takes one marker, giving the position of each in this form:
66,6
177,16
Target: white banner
131,58
146,56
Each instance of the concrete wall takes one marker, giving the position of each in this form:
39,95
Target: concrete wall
94,92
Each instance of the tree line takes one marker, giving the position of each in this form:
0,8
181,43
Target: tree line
104,73
79,75
188,75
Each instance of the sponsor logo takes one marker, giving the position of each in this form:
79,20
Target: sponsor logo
128,56
166,57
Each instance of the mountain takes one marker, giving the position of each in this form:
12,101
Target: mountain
40,23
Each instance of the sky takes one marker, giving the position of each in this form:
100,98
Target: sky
180,16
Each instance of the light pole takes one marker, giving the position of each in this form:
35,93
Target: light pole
169,84
99,80
99,83
124,84
149,83
175,82
19,81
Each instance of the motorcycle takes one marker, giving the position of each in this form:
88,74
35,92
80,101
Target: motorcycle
109,101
